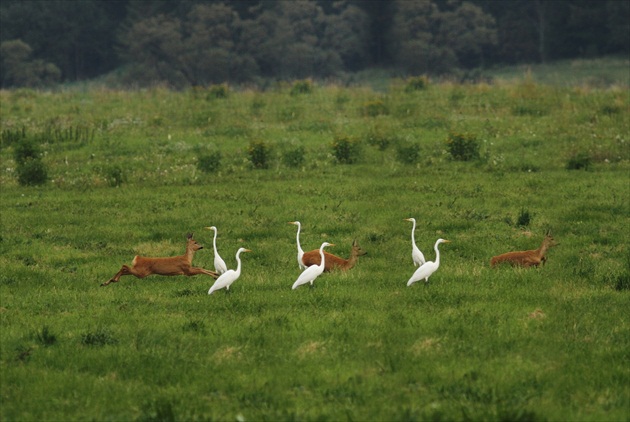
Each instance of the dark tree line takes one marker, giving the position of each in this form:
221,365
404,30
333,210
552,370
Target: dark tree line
192,42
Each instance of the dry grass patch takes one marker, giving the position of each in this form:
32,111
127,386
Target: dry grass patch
310,348
425,345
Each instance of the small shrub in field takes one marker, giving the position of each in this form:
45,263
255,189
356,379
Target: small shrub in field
346,150
259,154
379,140
375,108
209,163
524,218
463,146
32,172
622,281
408,153
417,83
302,87
579,161
45,337
293,157
114,176
98,338
24,151
218,91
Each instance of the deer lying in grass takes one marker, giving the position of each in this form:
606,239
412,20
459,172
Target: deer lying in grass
526,258
331,261
176,265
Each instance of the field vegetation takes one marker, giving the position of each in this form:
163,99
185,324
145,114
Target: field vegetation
490,167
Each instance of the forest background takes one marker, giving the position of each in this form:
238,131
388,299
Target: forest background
131,43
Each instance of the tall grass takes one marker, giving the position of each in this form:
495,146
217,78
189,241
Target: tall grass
475,343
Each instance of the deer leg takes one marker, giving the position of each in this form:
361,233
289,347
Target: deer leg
125,270
198,270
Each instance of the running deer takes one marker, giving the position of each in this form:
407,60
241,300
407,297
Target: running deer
331,261
526,258
176,265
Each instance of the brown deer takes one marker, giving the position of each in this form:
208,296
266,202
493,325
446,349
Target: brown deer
176,265
526,258
331,261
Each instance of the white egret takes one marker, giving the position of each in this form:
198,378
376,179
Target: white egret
311,273
300,252
416,254
219,263
428,268
230,276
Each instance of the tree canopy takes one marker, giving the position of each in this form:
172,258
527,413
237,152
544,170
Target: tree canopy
194,42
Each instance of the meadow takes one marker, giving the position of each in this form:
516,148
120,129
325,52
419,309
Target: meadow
126,177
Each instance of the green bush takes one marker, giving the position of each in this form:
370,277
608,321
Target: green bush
218,91
45,337
375,108
346,150
293,157
417,83
31,172
579,161
463,146
114,176
100,337
259,154
304,86
408,153
379,140
209,163
524,218
25,150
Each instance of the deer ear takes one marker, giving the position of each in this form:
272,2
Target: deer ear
189,236
355,243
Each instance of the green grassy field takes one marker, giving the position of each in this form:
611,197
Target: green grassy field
474,344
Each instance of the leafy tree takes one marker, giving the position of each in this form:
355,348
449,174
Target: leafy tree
428,40
77,36
211,31
17,68
347,35
467,31
618,24
154,48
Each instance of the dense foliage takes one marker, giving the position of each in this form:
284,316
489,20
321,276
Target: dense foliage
201,42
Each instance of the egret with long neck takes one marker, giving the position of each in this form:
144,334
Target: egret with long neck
428,268
311,273
300,252
416,254
219,263
230,276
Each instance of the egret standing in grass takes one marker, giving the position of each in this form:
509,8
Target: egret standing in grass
311,273
300,252
428,268
219,263
230,276
416,254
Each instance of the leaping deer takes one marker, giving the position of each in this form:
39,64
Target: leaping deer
176,265
526,258
331,261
